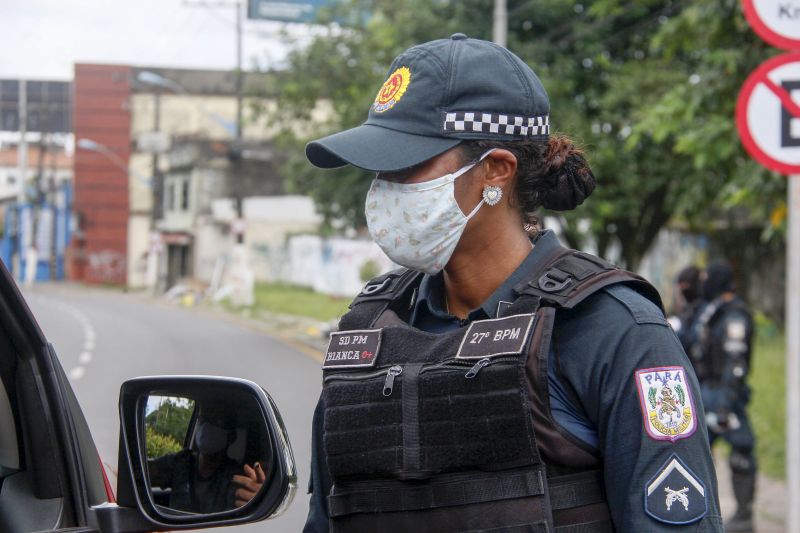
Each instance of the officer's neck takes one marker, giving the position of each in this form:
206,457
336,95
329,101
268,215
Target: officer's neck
479,266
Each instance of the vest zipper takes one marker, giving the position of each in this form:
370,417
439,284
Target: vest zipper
473,368
388,385
472,372
352,376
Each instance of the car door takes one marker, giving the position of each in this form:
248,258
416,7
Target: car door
51,477
50,473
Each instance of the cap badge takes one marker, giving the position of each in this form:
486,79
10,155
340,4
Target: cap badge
392,90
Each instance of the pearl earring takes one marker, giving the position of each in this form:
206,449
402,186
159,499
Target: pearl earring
492,194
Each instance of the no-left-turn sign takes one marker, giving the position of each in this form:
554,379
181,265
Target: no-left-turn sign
768,114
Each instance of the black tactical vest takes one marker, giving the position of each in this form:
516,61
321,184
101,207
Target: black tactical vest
708,352
438,432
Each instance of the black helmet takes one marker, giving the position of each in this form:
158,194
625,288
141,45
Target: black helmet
719,279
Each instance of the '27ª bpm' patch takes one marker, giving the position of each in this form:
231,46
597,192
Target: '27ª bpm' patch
667,404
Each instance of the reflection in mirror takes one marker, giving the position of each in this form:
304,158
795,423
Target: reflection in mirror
205,454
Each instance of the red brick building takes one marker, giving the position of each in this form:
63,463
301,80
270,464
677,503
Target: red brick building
102,115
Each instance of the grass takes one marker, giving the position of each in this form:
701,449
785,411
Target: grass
768,404
302,301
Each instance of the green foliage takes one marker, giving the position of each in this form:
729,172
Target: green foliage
171,419
648,87
158,444
302,301
369,270
652,397
767,408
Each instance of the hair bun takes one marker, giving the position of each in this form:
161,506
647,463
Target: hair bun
567,175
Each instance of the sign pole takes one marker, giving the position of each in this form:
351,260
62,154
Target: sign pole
792,327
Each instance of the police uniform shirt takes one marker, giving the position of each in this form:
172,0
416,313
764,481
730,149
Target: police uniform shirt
604,354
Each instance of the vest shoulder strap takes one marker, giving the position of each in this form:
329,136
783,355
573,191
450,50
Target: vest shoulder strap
390,290
387,287
570,276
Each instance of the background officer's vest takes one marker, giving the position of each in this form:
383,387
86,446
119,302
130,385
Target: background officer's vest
708,352
438,432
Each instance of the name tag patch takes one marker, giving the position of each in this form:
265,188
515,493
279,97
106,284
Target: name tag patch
353,349
492,338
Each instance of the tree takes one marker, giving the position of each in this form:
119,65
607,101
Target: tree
648,86
171,419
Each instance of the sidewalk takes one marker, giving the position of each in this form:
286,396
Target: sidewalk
771,501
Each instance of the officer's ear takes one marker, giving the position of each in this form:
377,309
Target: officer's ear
500,167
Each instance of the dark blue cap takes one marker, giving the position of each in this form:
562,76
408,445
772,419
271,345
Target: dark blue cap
437,94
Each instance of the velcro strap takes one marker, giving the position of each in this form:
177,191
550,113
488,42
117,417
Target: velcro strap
604,526
442,491
576,490
579,503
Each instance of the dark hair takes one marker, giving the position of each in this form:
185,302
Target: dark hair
553,174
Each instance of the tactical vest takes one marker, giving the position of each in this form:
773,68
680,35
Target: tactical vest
438,432
709,357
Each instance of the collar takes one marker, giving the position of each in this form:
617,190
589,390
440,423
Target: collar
431,290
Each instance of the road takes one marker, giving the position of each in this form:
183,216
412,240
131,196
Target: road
104,337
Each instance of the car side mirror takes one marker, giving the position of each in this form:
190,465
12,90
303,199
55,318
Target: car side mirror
203,451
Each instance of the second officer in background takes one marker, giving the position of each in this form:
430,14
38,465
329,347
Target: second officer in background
720,348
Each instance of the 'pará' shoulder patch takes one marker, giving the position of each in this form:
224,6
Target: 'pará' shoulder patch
352,349
667,404
675,495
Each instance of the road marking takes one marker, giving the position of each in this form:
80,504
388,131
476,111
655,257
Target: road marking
89,335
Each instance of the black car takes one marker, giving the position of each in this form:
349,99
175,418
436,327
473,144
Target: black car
195,451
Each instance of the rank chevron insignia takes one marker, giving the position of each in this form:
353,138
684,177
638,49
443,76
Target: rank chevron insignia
666,400
675,495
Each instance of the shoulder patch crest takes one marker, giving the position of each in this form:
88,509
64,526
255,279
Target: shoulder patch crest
675,495
667,404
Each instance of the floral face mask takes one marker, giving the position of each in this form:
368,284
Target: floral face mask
418,225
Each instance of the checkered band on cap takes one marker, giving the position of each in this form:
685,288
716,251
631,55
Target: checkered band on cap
479,122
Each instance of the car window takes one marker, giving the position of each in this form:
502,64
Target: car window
9,446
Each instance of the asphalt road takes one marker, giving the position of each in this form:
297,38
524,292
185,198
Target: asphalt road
104,337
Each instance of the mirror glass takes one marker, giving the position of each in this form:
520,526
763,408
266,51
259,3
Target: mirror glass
206,453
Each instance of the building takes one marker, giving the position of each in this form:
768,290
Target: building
126,119
36,149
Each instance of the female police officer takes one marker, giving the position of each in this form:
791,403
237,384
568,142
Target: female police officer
499,382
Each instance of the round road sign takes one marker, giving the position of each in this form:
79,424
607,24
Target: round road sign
768,114
775,21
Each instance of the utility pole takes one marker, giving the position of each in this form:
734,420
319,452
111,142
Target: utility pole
22,147
500,28
239,95
22,161
158,183
236,160
237,5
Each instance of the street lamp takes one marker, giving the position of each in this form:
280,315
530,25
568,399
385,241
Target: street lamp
94,146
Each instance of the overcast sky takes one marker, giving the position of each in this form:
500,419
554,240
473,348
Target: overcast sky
42,39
